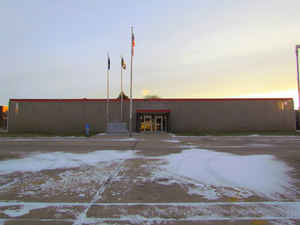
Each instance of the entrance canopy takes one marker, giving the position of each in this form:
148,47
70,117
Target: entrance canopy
153,120
153,110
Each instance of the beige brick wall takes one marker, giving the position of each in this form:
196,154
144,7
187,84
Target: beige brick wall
185,116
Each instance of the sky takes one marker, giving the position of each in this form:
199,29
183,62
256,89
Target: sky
184,49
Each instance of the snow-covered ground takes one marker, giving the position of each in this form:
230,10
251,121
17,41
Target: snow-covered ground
57,160
171,140
279,213
261,174
206,173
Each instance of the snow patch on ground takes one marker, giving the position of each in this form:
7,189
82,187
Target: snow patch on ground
157,213
282,222
209,193
201,172
126,139
172,135
7,185
101,134
188,146
21,210
259,173
259,145
171,140
55,160
227,146
76,182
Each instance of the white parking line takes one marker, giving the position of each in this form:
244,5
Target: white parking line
83,216
59,204
160,212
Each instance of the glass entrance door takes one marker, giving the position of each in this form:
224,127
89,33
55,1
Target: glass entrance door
159,123
152,122
148,123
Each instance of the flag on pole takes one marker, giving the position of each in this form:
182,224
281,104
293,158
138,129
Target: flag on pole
132,43
108,62
123,65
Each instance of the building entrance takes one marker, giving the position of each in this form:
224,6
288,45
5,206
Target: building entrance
159,126
152,121
147,124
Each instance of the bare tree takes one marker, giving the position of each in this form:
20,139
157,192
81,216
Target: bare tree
124,96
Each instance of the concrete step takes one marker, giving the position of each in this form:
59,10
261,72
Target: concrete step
117,127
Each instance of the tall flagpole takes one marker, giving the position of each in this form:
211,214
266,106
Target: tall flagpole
298,47
130,107
121,89
107,90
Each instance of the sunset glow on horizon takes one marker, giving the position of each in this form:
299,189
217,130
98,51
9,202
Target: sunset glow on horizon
4,108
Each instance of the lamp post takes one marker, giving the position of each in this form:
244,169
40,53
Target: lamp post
298,47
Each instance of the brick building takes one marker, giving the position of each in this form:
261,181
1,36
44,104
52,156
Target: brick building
170,115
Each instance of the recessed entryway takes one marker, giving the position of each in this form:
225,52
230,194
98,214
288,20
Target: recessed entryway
152,120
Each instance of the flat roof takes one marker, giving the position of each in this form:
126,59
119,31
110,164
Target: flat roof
150,100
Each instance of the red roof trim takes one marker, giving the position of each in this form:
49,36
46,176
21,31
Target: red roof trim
153,110
208,99
153,100
63,100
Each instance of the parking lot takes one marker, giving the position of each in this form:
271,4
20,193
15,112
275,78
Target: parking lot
150,179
